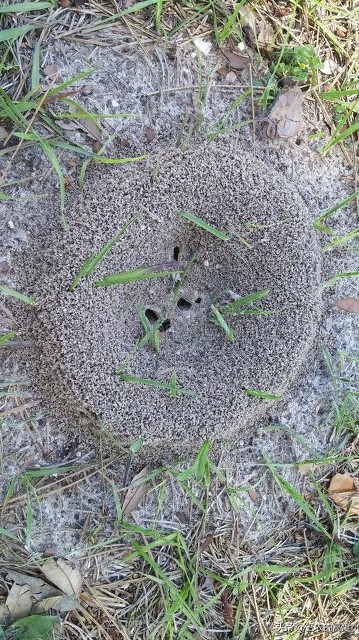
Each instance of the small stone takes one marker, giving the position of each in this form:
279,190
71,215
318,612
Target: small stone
4,266
10,224
206,263
231,77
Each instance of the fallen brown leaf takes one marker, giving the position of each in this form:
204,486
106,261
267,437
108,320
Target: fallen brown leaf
265,33
135,493
96,146
222,71
63,576
253,495
123,142
343,490
286,115
351,305
150,134
39,588
60,603
50,551
51,71
208,584
19,601
227,609
4,266
235,60
206,542
88,125
65,4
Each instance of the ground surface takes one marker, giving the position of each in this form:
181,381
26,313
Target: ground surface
242,518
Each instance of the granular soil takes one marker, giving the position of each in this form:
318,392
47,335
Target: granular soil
81,337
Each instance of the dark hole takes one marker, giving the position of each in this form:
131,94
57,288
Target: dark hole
183,304
151,315
164,326
176,253
198,300
298,141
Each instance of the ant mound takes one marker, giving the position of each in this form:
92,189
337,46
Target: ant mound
212,307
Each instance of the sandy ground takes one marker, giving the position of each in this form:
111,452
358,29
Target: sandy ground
126,79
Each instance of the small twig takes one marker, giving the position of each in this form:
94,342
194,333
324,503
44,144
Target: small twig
197,87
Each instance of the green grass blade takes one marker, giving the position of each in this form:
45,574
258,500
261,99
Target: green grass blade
105,160
142,273
340,240
151,331
16,294
92,262
263,395
6,338
149,382
8,534
237,305
339,276
22,7
203,225
55,163
60,87
336,207
219,320
201,462
289,490
35,72
15,32
173,385
158,14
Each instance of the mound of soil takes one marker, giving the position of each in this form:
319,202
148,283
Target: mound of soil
83,336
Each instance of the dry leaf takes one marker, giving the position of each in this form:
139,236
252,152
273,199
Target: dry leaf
86,124
227,609
265,33
286,116
208,584
253,495
5,616
150,134
349,304
51,71
235,61
135,493
306,467
65,3
19,601
4,266
39,589
206,542
96,147
62,576
343,490
123,142
59,603
222,71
